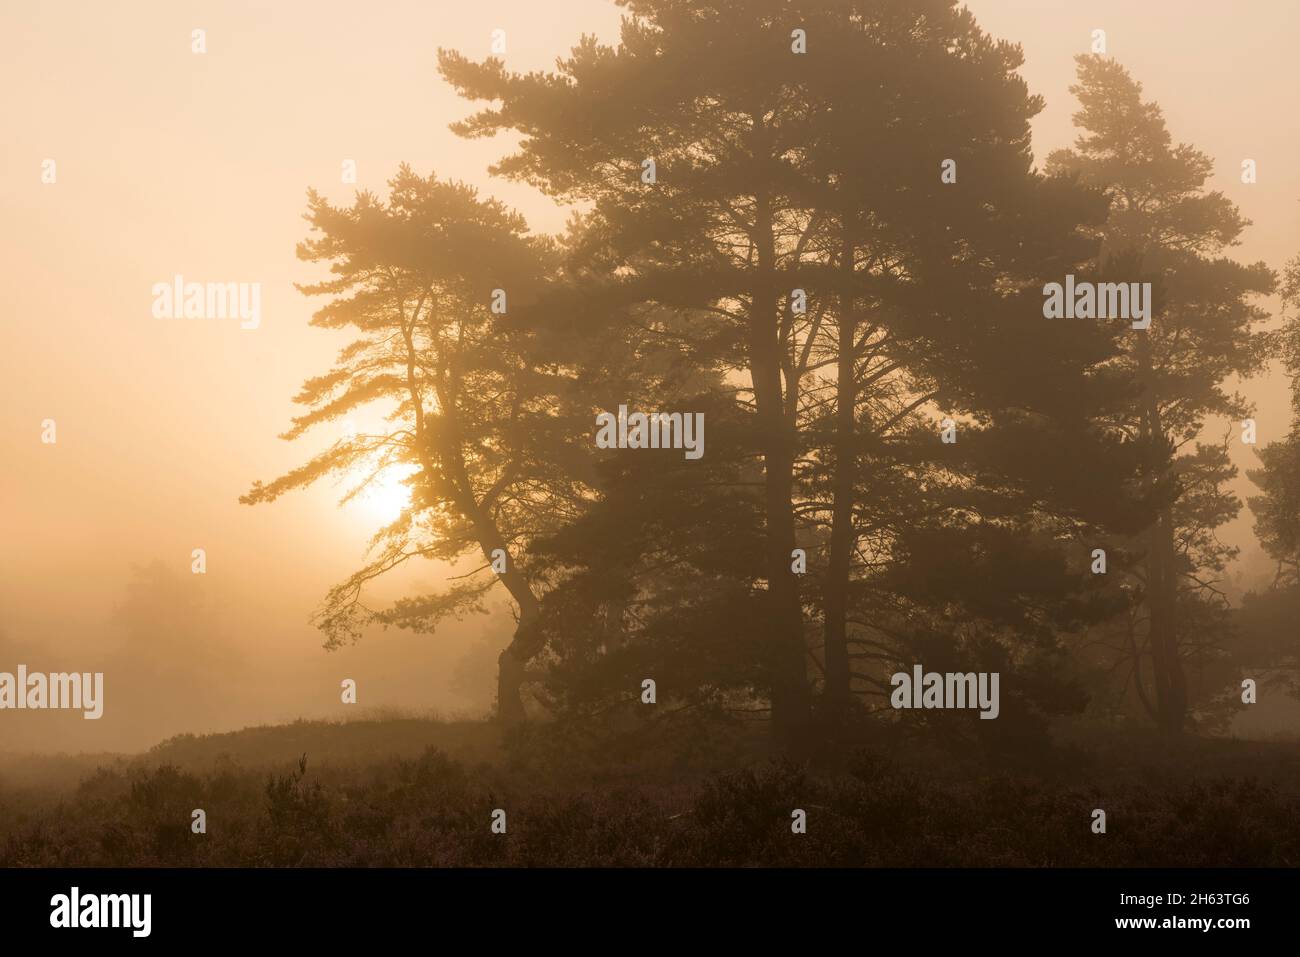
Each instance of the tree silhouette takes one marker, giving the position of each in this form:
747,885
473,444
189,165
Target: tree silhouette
1277,507
492,458
819,224
775,176
1164,226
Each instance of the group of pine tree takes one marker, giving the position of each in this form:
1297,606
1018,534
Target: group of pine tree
828,253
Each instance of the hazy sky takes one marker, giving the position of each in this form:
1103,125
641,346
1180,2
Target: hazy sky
170,162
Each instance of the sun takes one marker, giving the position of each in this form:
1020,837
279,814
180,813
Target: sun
385,497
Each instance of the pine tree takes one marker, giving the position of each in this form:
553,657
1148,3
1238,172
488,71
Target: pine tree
491,448
1277,507
682,140
1166,228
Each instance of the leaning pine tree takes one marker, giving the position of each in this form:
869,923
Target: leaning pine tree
426,281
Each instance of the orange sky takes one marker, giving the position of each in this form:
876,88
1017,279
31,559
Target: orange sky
170,162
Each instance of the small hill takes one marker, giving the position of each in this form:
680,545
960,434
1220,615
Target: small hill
373,737
330,743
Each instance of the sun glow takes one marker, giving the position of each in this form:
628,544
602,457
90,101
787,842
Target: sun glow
384,498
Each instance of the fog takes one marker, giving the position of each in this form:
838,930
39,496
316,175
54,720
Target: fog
170,163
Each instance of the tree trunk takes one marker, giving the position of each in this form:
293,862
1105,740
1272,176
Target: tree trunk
528,638
836,651
1170,679
512,665
1173,705
1168,676
788,669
